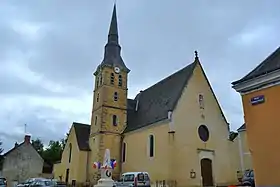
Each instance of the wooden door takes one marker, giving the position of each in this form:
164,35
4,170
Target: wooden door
206,172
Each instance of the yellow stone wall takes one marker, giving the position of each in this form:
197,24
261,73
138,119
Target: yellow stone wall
176,155
77,166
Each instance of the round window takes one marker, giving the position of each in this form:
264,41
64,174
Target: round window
203,133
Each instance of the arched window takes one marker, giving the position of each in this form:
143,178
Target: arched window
120,80
95,121
116,96
97,97
112,78
115,120
70,152
151,146
124,152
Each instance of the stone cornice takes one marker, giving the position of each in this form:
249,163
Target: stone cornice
258,83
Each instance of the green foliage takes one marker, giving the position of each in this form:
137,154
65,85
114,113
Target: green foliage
64,140
53,152
1,156
1,149
38,145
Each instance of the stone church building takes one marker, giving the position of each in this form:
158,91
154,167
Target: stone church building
175,129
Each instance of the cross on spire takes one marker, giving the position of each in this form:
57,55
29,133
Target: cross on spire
25,128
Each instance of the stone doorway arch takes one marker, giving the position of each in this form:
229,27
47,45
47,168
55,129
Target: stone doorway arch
206,172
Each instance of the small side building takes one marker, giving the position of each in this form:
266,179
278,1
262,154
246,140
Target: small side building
244,151
23,162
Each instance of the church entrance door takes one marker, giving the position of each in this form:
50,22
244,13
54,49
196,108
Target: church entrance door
206,172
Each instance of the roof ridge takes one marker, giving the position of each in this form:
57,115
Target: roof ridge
168,77
78,123
254,73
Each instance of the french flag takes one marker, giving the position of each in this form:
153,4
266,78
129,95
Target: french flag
113,164
96,165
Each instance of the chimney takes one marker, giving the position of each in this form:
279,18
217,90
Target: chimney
27,138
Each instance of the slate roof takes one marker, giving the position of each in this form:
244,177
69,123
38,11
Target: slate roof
242,127
112,55
82,134
155,102
270,64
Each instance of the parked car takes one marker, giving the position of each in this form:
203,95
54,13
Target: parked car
43,183
134,179
28,182
248,178
3,182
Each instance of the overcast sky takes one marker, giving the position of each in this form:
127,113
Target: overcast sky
49,50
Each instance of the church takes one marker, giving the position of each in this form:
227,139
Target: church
175,130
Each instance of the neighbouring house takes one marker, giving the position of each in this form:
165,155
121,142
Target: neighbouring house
244,151
240,149
175,129
23,162
260,91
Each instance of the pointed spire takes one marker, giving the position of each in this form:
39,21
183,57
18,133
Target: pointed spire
113,31
112,53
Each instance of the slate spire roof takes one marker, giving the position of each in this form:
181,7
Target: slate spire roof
112,54
270,64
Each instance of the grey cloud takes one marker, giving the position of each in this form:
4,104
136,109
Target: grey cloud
45,123
155,35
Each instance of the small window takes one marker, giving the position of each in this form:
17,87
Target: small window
151,146
116,96
112,78
95,121
115,120
101,80
70,152
124,152
201,101
97,98
120,80
97,82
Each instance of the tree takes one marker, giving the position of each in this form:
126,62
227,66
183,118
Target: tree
1,156
38,145
53,152
64,140
1,149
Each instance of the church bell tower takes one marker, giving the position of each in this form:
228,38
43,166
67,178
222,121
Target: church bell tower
109,112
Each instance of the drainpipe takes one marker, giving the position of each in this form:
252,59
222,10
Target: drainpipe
121,150
241,153
87,165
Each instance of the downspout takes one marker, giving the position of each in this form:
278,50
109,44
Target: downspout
87,165
121,150
241,152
